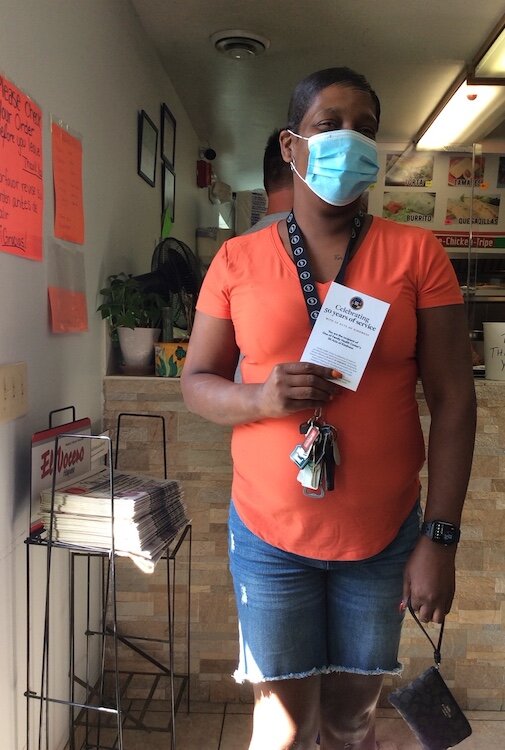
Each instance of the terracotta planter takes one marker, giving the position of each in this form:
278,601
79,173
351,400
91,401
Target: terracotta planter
169,358
137,348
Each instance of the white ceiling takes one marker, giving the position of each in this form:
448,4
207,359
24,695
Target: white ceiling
410,50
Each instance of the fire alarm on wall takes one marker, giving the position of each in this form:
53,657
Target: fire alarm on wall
203,173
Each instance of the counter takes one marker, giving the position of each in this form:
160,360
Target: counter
198,455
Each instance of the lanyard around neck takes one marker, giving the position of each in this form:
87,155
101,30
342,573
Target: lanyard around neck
297,242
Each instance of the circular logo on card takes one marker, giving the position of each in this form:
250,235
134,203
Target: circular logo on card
356,303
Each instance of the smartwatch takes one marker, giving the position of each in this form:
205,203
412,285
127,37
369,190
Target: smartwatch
441,532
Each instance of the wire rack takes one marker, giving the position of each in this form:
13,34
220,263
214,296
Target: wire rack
100,706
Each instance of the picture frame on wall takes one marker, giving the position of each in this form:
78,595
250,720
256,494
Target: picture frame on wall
168,191
147,148
168,128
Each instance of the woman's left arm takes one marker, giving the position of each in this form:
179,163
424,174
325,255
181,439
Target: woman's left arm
445,367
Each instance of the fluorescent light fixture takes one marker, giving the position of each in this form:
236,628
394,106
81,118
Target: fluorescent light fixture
474,104
470,107
492,63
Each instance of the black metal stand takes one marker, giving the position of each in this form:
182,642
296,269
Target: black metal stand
99,707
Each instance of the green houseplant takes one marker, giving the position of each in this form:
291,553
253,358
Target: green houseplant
134,317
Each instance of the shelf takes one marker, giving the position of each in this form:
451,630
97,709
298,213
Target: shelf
100,710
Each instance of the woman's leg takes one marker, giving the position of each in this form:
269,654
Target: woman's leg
364,627
348,703
286,714
281,605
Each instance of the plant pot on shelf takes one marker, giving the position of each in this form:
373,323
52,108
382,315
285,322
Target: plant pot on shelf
169,358
137,348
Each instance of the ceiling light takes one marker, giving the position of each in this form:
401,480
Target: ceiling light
238,44
475,102
490,63
469,107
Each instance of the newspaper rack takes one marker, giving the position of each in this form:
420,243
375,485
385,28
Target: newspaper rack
99,709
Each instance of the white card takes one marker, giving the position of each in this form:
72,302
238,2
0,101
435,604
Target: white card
345,333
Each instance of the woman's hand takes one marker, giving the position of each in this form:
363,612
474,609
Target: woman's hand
296,386
429,579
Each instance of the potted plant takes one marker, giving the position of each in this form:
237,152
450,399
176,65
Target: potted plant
170,352
134,317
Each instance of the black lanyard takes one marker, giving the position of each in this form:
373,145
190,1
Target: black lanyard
296,240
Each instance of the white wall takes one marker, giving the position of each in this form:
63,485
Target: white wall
88,63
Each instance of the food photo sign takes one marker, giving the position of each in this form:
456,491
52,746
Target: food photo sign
446,192
409,207
414,169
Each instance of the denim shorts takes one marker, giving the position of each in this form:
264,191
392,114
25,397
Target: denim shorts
300,617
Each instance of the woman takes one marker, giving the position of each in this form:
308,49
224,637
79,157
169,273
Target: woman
321,581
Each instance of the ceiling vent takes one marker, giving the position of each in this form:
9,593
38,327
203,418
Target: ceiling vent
238,44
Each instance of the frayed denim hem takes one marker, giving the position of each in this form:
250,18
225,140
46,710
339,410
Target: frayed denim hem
241,678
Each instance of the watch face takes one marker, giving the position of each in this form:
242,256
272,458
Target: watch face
445,533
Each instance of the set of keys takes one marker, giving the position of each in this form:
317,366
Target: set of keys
317,456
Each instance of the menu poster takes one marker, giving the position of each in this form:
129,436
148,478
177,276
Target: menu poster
21,185
454,239
484,209
406,207
410,170
463,172
67,176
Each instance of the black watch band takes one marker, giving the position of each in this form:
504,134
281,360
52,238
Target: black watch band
441,532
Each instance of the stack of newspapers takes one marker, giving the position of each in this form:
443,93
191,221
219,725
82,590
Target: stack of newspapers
148,513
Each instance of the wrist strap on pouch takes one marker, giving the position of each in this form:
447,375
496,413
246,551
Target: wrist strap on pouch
436,649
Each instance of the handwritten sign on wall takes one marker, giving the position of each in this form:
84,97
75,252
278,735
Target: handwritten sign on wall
67,176
21,185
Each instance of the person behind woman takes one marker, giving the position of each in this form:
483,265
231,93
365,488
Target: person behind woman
321,582
278,184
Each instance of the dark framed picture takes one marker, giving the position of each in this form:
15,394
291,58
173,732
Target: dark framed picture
147,148
167,136
167,190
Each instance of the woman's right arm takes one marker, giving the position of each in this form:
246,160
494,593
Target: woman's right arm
209,390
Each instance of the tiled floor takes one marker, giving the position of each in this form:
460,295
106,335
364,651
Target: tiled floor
227,727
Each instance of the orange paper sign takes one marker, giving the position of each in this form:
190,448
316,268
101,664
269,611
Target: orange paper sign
21,186
67,176
68,310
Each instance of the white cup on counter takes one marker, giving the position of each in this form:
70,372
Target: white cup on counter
494,350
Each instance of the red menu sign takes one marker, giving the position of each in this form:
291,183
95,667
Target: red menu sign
67,175
21,186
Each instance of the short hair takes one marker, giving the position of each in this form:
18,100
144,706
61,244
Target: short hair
306,91
277,173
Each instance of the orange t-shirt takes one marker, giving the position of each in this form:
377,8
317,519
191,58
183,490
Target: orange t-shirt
253,282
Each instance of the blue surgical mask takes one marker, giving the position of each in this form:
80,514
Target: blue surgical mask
342,165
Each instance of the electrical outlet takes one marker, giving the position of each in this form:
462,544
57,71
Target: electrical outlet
13,391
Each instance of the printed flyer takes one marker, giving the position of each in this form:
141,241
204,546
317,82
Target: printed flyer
345,333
